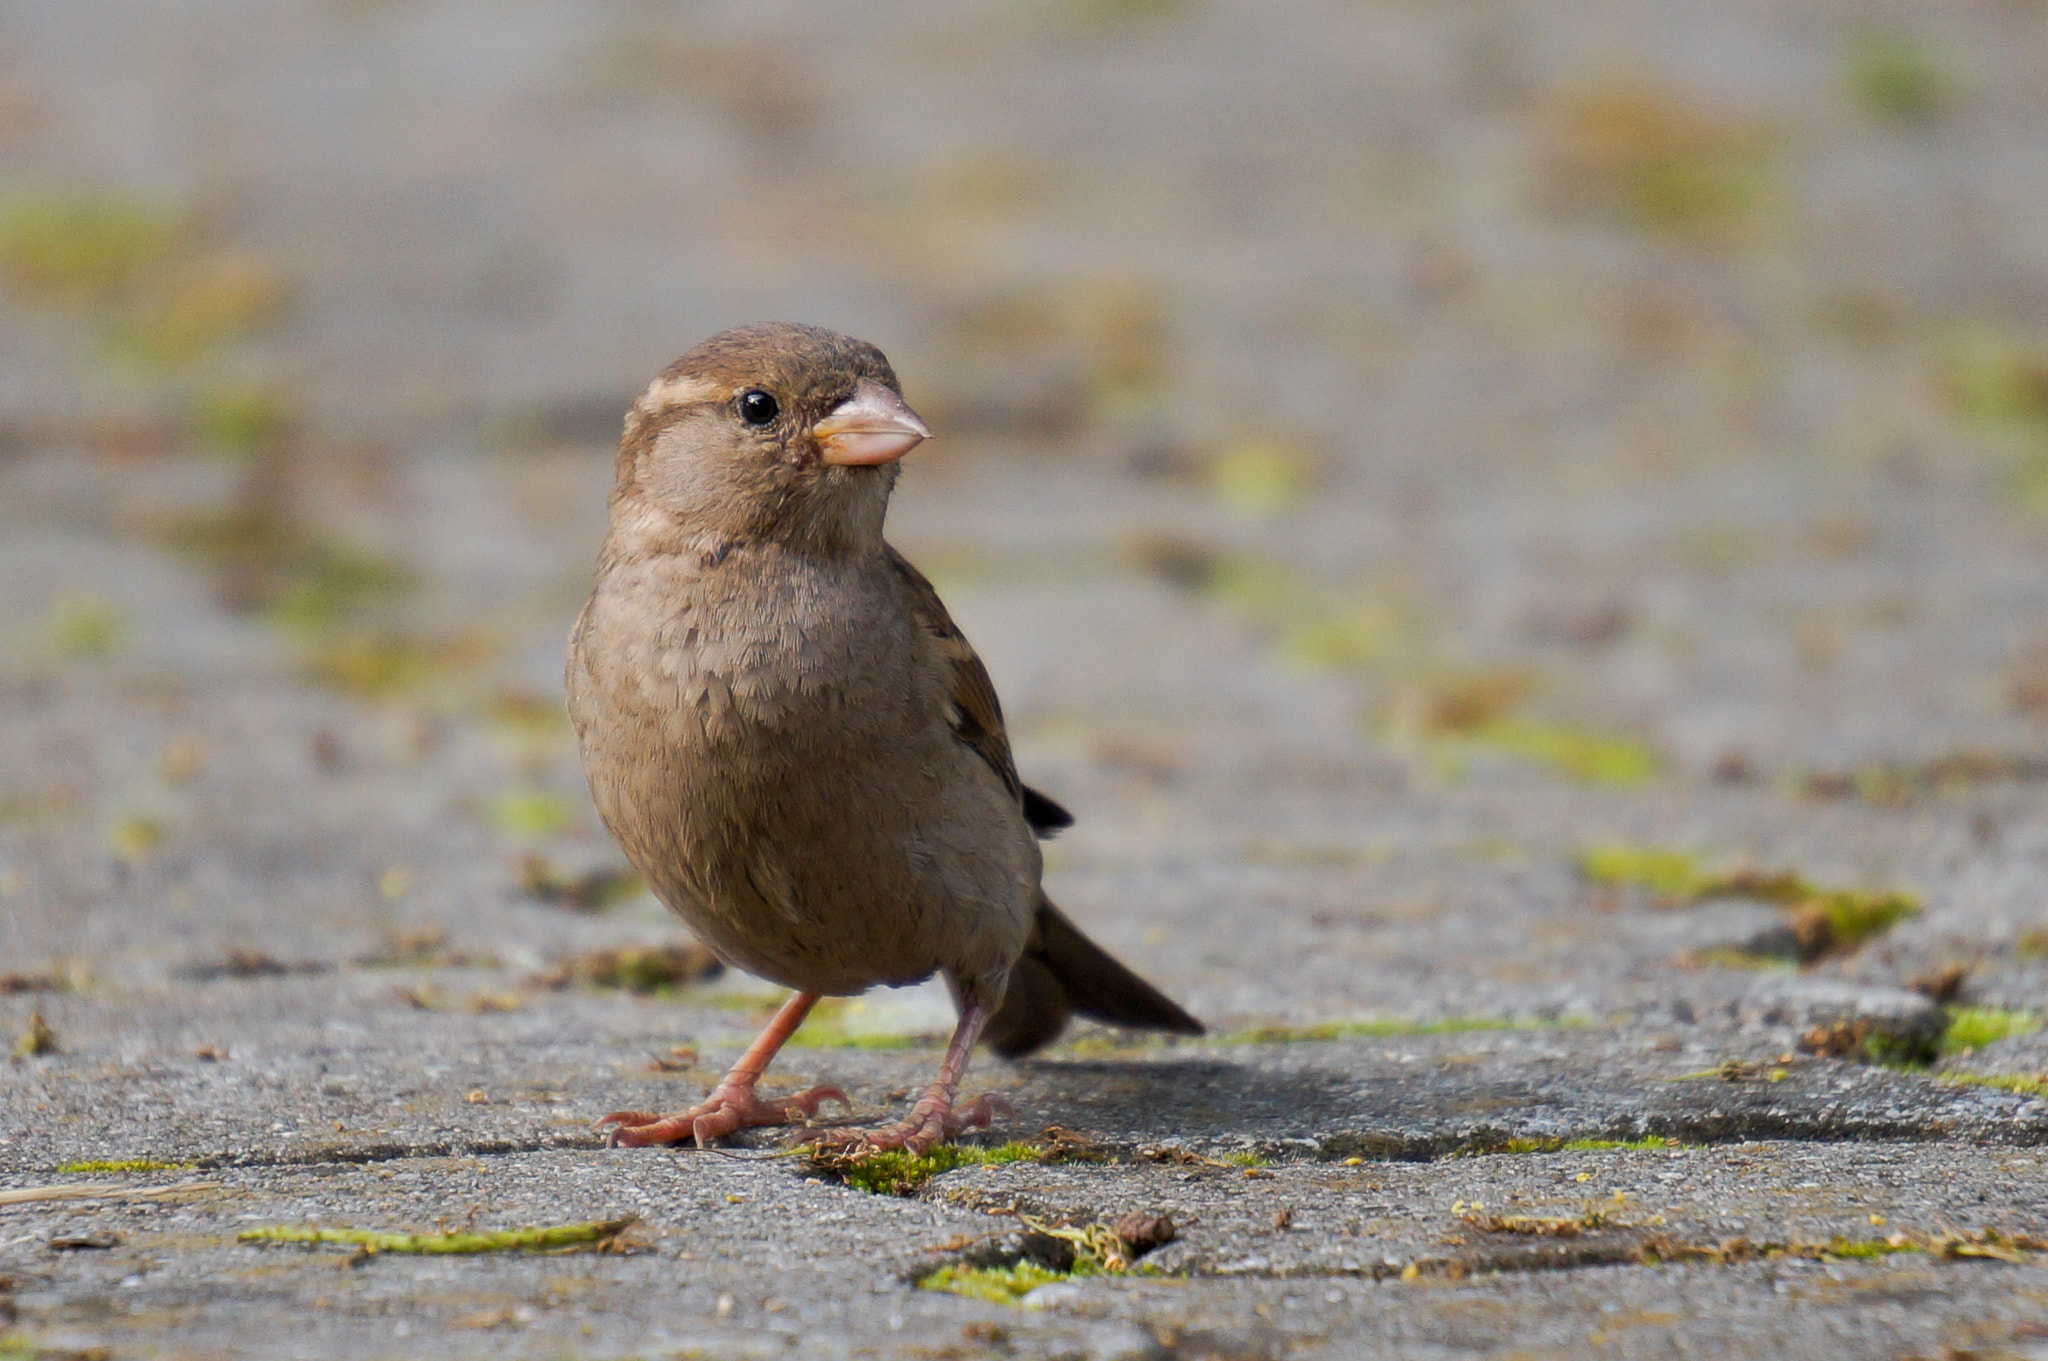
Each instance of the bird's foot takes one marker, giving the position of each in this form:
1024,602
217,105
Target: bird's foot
931,1121
732,1106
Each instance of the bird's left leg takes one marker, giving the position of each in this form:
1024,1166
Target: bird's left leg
732,1104
934,1118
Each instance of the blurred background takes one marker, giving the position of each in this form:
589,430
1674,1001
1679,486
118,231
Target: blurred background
1384,446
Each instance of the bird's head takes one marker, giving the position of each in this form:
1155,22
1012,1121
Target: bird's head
777,431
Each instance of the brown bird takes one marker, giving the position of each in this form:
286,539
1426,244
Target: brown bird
789,738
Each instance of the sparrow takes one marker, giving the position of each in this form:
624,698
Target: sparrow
789,738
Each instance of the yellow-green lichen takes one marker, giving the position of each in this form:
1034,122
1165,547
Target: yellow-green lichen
1528,1144
1822,920
2024,1084
1897,79
1576,753
1656,870
992,1284
61,249
125,1165
1974,1027
549,1239
892,1172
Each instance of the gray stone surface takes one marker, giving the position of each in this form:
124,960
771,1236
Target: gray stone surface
1369,495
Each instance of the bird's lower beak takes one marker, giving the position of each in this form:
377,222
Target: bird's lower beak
870,428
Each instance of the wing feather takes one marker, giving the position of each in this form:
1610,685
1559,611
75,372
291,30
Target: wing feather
972,710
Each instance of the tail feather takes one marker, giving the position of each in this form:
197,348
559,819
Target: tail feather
1063,973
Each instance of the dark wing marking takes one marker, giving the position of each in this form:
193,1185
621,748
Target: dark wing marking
972,710
1047,818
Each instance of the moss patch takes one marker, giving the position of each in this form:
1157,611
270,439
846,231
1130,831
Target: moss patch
658,970
1526,1144
826,1028
1576,753
1676,167
1820,920
125,1165
893,1172
551,1239
2025,1084
1974,1027
1896,79
992,1284
77,250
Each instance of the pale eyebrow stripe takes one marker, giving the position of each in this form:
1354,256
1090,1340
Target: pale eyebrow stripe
664,393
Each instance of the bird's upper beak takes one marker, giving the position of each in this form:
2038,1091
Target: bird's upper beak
870,428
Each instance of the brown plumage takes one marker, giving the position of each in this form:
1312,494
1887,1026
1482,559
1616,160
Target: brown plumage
792,741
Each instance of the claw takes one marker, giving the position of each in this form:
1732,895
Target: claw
930,1122
730,1107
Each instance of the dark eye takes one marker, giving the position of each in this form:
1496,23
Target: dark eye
758,407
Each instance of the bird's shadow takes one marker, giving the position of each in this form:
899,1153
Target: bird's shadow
1179,1098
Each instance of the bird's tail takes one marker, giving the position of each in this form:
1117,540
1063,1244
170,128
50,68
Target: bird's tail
1063,972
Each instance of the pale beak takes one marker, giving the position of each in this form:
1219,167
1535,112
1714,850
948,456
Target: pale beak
870,428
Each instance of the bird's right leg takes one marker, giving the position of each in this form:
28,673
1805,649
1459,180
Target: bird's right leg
732,1104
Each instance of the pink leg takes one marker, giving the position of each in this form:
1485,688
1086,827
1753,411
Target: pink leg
934,1118
732,1104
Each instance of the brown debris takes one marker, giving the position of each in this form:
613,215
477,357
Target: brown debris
1057,1145
243,964
1895,785
636,968
36,1038
1142,1233
28,982
1942,985
592,891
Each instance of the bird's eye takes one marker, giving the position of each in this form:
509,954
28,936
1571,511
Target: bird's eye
758,407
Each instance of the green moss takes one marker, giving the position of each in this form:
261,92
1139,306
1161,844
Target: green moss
1655,869
829,1037
1635,152
1260,477
1730,957
84,626
1244,1157
1895,79
2025,1084
651,970
1903,1050
269,563
1527,1144
125,1165
333,585
1576,753
992,1284
825,1028
194,308
547,1239
377,663
1974,1027
63,249
1997,380
1824,920
893,1172
1374,1029
244,420
531,813
1855,915
1855,1249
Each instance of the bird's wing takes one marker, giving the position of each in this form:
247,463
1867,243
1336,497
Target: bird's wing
972,710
